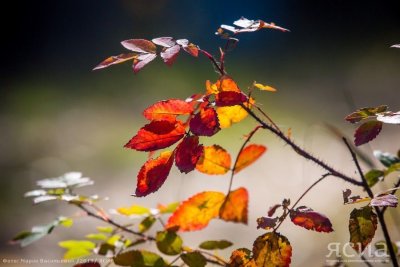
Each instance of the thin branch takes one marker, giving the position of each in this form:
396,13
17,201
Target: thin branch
110,221
213,61
301,197
268,118
379,212
366,260
218,260
249,136
301,151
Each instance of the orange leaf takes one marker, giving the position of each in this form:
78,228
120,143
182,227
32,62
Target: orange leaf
153,174
188,153
249,155
157,135
215,160
235,206
196,212
224,84
241,258
167,110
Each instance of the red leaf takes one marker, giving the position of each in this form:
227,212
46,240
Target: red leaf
273,209
140,46
115,60
157,135
229,98
311,220
164,41
167,110
153,174
188,153
367,132
170,54
142,60
205,122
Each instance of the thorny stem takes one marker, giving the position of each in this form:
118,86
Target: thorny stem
379,212
300,198
301,151
213,61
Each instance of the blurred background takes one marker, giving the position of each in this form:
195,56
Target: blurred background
57,115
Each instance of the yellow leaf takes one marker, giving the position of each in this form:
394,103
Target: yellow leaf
264,87
215,160
133,210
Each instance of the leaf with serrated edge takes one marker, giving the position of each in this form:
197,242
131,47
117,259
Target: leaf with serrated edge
196,212
235,207
188,153
142,60
157,135
241,258
139,45
311,220
272,250
167,110
215,160
367,132
164,41
249,155
362,226
153,174
205,122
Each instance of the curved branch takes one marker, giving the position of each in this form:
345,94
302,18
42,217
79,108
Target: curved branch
301,151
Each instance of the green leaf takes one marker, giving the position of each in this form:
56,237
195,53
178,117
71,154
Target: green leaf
362,227
169,242
392,168
373,176
134,210
364,113
98,236
105,250
194,259
104,229
139,258
115,241
146,224
66,222
272,250
385,158
382,245
26,238
215,244
77,248
170,208
70,244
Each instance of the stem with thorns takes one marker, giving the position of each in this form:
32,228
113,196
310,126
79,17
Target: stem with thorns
378,211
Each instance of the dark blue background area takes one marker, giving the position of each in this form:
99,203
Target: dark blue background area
72,36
